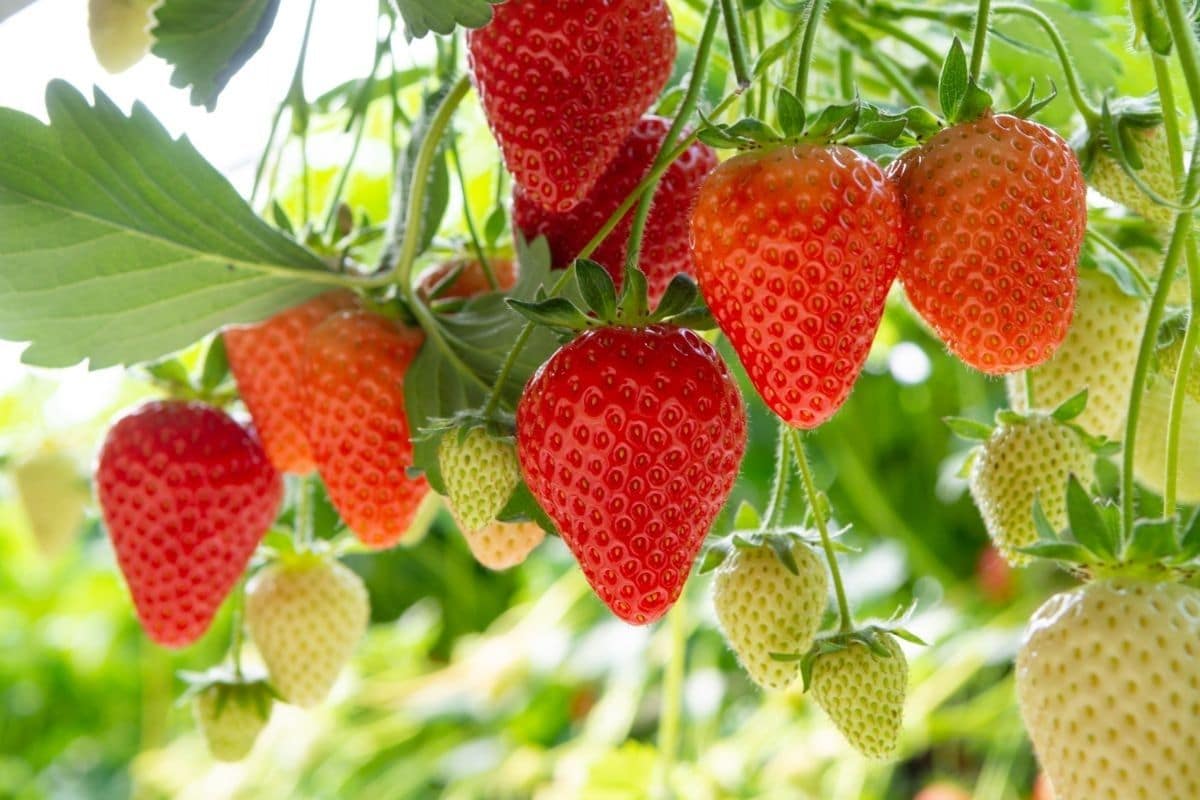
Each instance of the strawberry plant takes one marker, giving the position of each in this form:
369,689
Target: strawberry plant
622,243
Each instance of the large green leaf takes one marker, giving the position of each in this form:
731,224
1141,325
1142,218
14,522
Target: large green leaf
207,41
441,16
119,244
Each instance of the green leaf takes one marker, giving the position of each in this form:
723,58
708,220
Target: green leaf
634,302
746,518
1087,526
1189,544
216,365
441,16
791,113
596,286
120,245
208,41
952,86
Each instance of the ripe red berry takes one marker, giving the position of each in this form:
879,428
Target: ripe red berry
994,214
630,439
796,248
563,81
187,495
353,388
471,280
265,360
665,252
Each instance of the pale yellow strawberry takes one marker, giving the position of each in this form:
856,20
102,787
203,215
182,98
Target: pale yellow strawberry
1109,179
1099,354
54,495
1150,454
764,608
231,715
503,545
1108,680
1024,460
306,613
121,31
863,693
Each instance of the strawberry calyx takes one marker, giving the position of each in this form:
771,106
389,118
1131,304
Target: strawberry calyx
680,305
230,686
854,124
751,534
873,637
209,382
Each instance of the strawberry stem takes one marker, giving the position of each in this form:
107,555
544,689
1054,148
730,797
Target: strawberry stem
303,513
235,632
806,47
779,483
979,45
737,49
672,695
845,619
472,229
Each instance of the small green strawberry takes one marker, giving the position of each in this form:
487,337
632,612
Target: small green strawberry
1099,355
862,688
231,713
306,612
480,471
1150,452
1026,458
769,594
1108,682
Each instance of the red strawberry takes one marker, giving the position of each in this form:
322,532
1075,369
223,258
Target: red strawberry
563,81
630,439
665,251
265,360
187,495
471,279
994,213
796,248
352,380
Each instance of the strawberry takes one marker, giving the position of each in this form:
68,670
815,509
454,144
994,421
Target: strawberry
1099,354
265,361
231,713
471,279
1109,179
665,252
1042,789
796,248
1109,687
352,384
943,791
994,576
54,495
765,606
1026,459
994,216
563,81
186,494
306,613
1150,453
480,472
502,545
121,31
630,439
863,693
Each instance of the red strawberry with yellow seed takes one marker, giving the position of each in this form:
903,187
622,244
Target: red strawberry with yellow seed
353,389
265,360
187,495
994,216
471,278
563,81
665,252
630,439
796,248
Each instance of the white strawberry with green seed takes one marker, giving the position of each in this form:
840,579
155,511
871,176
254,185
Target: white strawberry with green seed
862,688
480,472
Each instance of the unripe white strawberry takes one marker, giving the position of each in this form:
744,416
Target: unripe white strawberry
1150,453
54,494
231,714
1108,680
121,31
1026,459
863,693
503,545
1109,179
764,607
306,613
480,472
1099,354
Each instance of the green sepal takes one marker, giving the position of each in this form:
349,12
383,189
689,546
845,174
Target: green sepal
1087,526
960,97
1153,541
281,219
969,429
1031,103
597,288
553,312
1067,552
1189,543
871,637
171,374
791,113
715,555
633,307
1072,407
215,369
746,518
681,296
227,683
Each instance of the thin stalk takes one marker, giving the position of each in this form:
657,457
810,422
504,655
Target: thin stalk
236,625
672,696
980,43
690,98
303,521
299,107
815,9
777,502
476,242
760,44
846,621
1089,113
846,71
737,49
261,169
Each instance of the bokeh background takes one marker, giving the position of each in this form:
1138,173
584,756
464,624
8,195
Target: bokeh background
473,684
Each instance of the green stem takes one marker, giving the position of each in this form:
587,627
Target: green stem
690,98
815,9
672,696
846,621
737,49
476,242
261,169
760,44
236,624
777,502
299,106
980,43
402,268
846,71
1074,86
303,521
